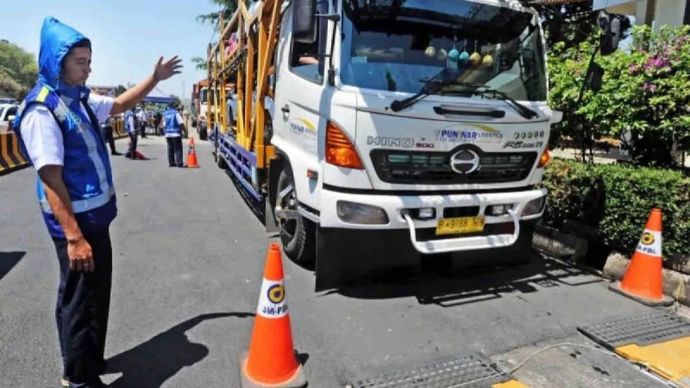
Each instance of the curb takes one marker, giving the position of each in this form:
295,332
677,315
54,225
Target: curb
559,244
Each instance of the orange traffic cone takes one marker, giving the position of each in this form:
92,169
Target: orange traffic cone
643,279
271,359
191,155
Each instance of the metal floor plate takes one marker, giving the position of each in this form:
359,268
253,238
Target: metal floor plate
469,371
642,330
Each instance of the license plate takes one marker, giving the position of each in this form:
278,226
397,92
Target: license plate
459,225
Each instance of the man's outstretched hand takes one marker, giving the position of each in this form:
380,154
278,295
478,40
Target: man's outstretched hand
167,69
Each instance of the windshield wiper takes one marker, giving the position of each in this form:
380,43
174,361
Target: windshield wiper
442,79
431,86
486,91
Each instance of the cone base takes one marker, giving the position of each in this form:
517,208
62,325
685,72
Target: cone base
664,301
188,166
297,380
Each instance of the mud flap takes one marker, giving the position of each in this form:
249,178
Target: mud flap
346,255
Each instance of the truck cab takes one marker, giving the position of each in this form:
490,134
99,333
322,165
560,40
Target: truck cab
402,129
456,168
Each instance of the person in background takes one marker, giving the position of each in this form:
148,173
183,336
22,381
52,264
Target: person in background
174,127
108,135
131,127
141,121
157,118
58,128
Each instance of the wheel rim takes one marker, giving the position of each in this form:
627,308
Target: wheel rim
286,211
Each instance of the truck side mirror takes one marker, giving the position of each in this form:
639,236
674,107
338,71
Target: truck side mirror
612,34
304,21
596,77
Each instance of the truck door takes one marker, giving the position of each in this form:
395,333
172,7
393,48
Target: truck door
299,95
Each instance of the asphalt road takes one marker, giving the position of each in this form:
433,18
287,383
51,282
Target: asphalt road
188,258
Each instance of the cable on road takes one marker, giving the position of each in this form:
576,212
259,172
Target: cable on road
572,345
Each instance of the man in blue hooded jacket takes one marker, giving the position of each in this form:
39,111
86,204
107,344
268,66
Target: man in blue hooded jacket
58,127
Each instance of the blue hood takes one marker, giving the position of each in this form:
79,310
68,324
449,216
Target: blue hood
56,40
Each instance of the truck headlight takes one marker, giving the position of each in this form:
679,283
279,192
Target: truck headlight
359,213
534,206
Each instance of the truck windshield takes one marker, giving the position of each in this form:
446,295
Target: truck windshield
398,45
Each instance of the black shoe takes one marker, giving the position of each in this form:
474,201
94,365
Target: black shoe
95,383
116,153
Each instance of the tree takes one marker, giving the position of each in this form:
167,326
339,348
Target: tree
645,98
227,7
18,70
200,63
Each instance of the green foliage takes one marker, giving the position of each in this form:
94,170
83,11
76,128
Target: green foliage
617,199
227,7
646,94
18,70
200,63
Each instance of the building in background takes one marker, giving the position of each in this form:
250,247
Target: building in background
653,12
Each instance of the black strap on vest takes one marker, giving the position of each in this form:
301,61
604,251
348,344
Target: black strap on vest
92,117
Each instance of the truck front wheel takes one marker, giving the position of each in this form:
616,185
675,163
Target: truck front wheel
297,234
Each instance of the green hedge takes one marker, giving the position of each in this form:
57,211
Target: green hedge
617,199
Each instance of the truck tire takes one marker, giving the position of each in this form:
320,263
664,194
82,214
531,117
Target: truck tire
297,234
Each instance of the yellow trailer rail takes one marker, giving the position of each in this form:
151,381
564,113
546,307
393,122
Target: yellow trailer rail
244,148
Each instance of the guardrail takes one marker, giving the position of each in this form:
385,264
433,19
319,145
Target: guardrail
118,128
11,158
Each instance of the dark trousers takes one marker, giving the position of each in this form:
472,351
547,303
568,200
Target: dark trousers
108,135
132,145
142,129
175,151
81,312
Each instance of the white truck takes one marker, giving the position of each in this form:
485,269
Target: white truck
401,128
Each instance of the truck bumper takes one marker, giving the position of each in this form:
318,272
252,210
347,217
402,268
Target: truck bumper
345,256
499,231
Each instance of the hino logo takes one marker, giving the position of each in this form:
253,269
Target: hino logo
404,142
464,162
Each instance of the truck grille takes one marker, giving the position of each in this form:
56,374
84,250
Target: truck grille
422,167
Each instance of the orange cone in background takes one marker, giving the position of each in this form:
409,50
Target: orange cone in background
191,155
271,359
643,279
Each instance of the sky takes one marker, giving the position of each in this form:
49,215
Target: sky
128,36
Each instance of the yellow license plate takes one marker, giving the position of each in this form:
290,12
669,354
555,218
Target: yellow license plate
459,225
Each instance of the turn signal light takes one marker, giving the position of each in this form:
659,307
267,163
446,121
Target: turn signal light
339,149
545,159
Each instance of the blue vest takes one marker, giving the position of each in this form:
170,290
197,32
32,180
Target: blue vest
172,127
86,172
133,127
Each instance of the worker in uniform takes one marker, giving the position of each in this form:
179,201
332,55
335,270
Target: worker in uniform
174,127
131,128
58,128
107,127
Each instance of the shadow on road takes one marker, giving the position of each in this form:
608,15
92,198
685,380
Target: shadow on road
442,285
256,207
8,260
158,359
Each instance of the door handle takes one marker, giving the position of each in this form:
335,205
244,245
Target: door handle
285,109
